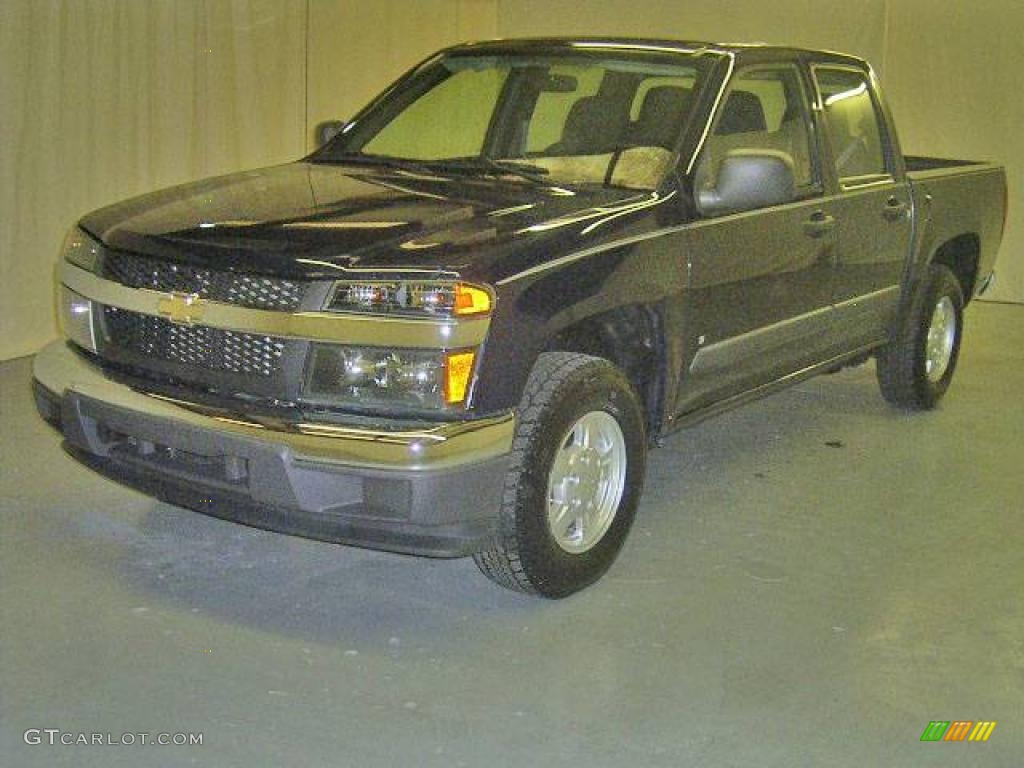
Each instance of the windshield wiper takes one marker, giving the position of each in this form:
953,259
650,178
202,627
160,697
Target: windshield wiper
467,165
491,166
386,161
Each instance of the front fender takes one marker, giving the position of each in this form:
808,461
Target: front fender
615,303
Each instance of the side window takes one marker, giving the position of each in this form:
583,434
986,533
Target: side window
853,124
765,109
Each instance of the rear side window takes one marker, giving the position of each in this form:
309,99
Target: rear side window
853,123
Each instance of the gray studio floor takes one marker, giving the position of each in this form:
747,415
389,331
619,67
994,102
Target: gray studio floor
811,580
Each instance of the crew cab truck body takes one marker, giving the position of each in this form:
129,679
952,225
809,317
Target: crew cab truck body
457,327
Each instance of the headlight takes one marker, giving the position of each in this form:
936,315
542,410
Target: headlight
375,376
81,250
430,298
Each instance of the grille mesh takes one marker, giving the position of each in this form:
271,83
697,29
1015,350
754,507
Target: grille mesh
243,290
195,345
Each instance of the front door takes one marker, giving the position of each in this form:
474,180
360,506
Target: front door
761,280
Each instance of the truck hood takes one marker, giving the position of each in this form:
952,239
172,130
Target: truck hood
311,220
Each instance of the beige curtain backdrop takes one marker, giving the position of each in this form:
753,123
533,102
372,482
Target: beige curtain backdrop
357,48
953,74
855,27
103,99
100,100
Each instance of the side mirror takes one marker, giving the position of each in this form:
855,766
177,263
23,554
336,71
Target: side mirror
749,179
327,130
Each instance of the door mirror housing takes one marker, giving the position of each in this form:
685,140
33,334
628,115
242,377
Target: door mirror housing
749,179
327,130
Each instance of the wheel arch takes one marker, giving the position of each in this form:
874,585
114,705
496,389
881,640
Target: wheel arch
632,338
961,254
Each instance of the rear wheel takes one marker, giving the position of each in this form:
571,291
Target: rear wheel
577,469
915,369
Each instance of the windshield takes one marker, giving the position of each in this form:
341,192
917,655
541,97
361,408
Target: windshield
573,118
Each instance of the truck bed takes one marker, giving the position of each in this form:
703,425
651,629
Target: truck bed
965,209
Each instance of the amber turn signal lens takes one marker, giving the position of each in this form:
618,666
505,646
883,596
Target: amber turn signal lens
470,300
458,372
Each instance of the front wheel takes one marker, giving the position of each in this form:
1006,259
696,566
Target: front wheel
916,367
577,469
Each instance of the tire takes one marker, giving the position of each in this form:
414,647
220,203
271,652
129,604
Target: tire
567,508
916,367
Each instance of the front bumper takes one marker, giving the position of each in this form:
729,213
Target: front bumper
433,491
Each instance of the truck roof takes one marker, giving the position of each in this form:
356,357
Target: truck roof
748,52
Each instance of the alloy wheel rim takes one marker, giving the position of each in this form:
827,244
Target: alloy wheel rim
586,482
941,336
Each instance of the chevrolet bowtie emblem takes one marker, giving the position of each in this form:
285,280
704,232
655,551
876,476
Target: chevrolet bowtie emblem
181,308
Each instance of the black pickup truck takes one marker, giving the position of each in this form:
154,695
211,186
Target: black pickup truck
458,325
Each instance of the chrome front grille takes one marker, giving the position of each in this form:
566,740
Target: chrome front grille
207,348
242,290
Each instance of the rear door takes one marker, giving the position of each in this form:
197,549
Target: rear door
872,205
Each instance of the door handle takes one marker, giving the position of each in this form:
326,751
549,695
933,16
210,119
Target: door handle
894,208
819,225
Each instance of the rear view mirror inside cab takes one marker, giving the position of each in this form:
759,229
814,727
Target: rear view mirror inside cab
554,83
